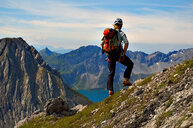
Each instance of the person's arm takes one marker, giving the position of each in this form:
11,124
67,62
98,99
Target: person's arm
126,43
125,48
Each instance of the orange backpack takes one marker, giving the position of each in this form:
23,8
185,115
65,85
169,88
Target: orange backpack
109,33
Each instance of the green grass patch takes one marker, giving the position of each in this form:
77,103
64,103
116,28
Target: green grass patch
181,69
173,79
163,116
41,121
145,100
181,121
146,80
169,102
163,84
156,90
142,106
191,108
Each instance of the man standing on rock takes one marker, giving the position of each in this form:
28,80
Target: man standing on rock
112,45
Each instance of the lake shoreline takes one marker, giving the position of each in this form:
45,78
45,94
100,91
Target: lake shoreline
95,95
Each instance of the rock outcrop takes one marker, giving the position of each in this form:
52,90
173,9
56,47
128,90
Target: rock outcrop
27,82
58,106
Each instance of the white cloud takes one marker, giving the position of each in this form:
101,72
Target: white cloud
69,23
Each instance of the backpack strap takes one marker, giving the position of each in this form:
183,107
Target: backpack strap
116,34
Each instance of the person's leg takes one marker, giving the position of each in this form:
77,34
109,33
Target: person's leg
127,62
111,66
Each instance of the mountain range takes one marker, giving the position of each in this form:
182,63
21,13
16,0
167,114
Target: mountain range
86,68
27,82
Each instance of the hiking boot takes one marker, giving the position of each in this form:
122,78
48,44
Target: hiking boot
126,82
111,92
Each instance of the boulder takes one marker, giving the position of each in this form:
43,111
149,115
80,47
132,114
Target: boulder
58,106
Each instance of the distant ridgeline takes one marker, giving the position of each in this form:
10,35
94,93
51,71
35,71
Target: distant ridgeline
27,82
86,68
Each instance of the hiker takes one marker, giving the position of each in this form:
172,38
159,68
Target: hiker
112,46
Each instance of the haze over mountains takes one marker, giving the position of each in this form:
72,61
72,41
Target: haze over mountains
58,50
27,82
86,68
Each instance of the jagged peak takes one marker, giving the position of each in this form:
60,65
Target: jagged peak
46,51
9,43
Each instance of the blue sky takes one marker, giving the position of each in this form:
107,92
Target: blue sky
150,25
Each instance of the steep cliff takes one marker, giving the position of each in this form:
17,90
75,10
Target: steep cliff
27,82
163,100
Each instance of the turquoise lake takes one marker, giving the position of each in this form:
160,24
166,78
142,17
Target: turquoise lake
95,95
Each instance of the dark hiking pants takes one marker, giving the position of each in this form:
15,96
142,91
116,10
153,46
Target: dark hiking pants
112,65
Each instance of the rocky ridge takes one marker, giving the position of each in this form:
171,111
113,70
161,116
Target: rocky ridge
27,82
163,100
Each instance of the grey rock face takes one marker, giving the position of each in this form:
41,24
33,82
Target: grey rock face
58,106
27,82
